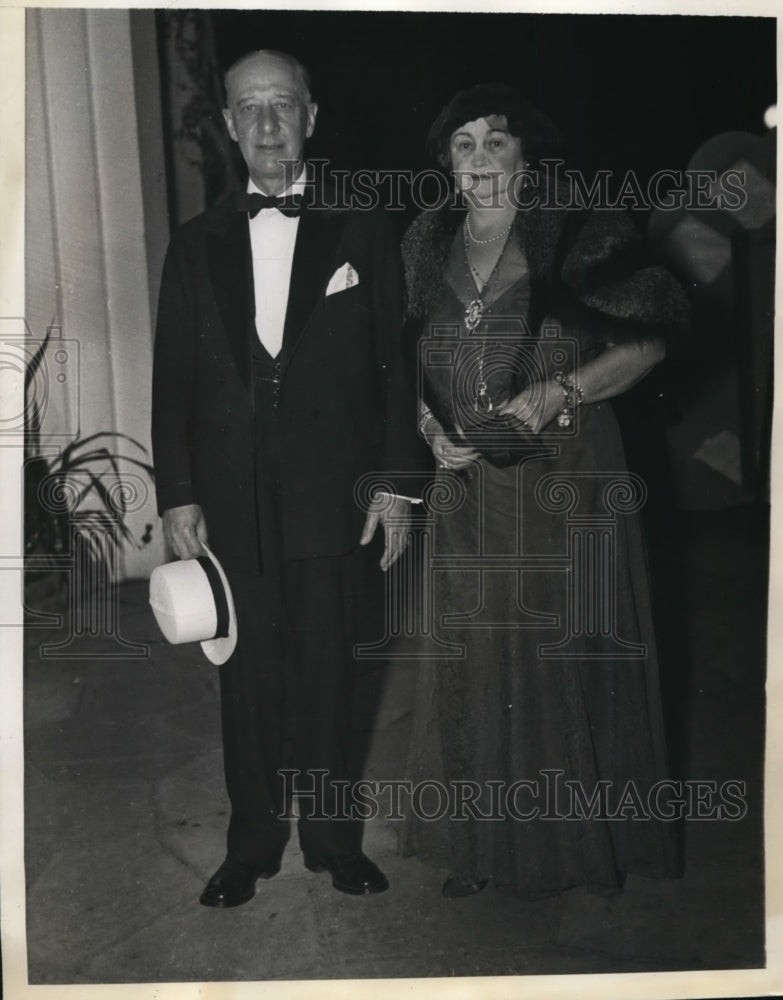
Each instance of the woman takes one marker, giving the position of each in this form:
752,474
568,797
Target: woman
542,722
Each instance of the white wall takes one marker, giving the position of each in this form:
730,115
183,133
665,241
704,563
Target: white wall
87,244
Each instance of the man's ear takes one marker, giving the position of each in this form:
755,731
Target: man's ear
312,111
229,120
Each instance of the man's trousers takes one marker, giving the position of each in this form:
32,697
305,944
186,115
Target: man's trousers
286,691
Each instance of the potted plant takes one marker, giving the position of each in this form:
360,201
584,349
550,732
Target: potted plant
67,489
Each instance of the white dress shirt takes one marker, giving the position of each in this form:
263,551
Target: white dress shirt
272,240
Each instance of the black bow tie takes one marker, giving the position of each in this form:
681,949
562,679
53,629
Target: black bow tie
252,203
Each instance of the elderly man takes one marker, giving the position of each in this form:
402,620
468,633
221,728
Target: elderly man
278,384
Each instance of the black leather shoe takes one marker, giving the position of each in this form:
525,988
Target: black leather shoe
353,873
234,883
455,887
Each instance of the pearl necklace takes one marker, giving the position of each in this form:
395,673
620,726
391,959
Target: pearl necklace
492,239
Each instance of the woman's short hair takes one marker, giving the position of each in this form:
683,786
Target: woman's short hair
538,135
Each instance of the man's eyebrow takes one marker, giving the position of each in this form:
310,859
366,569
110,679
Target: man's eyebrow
253,95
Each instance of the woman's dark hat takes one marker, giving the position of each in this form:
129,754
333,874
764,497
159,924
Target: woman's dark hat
539,136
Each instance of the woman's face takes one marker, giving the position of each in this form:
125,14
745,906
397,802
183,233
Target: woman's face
485,157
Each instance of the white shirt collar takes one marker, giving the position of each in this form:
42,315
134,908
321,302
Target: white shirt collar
298,187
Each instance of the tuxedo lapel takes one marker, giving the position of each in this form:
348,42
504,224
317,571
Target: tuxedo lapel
230,267
313,264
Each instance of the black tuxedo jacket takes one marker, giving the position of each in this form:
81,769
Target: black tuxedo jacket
347,402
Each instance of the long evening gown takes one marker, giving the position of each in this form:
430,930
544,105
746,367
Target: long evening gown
555,677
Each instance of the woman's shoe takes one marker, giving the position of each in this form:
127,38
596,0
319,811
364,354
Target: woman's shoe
455,887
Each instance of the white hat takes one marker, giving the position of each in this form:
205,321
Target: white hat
192,602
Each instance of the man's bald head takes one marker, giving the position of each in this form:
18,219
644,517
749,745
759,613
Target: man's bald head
299,70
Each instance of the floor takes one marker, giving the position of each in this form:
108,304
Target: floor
125,813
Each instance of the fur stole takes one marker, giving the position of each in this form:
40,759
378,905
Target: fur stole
588,267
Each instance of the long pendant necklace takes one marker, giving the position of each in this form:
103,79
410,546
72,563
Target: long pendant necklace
474,313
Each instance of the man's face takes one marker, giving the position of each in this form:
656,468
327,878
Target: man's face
269,116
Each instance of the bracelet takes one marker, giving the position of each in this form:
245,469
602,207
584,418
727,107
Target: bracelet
425,415
573,396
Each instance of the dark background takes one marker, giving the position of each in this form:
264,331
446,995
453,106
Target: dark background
630,92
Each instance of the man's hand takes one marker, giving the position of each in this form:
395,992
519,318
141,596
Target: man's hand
184,528
395,515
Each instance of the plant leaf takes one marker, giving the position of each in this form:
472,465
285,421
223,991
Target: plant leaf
35,363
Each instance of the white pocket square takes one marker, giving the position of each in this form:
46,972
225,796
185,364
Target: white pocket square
344,277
